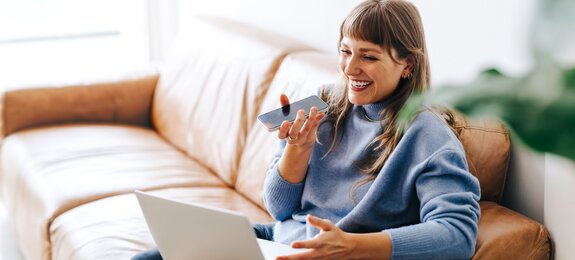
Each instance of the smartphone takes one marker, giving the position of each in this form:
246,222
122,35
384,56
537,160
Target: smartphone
273,119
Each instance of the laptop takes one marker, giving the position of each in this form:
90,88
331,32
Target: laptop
185,230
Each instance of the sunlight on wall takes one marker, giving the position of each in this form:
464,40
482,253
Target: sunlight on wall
463,37
48,40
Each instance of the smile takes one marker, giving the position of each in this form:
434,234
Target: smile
359,85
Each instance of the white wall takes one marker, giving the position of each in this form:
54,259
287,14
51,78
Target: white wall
560,204
463,37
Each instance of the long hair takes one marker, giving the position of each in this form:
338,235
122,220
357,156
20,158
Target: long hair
391,24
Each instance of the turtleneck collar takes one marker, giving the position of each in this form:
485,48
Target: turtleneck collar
373,111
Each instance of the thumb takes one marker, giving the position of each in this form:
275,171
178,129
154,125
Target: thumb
284,100
322,224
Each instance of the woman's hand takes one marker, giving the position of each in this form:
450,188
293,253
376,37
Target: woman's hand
301,132
330,243
300,135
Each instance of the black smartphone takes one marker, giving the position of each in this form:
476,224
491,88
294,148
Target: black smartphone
273,119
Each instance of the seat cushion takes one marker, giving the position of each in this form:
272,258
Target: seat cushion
505,234
51,170
114,227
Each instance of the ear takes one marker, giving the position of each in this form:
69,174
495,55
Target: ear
410,60
408,69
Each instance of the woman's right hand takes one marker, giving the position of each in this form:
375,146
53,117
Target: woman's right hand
302,132
300,136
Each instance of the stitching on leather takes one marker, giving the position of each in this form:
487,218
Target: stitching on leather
492,130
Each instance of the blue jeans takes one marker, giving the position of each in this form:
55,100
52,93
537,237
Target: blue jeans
263,231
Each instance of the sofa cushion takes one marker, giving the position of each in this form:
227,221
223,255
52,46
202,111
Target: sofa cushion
505,234
51,170
300,75
114,227
211,87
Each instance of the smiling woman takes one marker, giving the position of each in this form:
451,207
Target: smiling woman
372,72
56,40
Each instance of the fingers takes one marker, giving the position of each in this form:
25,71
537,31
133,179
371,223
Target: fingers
309,243
322,224
297,125
284,100
314,125
307,126
301,131
284,129
308,254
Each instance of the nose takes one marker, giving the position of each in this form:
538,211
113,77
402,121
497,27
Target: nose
351,66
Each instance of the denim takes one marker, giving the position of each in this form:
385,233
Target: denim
263,231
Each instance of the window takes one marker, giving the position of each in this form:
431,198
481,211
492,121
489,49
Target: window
53,40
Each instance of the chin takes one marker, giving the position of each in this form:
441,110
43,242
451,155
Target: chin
359,99
356,101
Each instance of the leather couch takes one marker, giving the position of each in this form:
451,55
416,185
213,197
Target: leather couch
72,155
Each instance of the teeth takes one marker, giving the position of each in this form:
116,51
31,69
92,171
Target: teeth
360,84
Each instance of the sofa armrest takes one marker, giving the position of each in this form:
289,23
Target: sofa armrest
126,99
506,234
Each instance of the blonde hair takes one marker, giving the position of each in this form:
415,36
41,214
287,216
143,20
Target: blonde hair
391,24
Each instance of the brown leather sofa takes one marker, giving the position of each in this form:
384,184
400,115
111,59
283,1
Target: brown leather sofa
72,155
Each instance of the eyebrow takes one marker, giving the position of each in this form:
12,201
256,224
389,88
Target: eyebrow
370,49
364,49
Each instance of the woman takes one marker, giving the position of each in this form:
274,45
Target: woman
354,185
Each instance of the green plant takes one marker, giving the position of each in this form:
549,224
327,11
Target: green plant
539,107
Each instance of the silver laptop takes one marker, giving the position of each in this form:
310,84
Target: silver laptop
189,231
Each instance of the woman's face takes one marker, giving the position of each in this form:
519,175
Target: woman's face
371,73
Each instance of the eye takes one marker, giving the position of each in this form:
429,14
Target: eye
344,51
370,58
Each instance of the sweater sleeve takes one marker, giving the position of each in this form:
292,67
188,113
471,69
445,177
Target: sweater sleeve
449,212
281,197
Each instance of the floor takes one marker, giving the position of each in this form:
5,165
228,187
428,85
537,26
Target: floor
8,248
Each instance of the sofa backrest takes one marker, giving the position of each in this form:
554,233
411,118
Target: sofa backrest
488,148
211,86
487,143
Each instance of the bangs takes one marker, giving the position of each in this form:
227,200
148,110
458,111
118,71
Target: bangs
367,23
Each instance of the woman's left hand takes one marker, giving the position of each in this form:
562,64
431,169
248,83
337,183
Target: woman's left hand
330,243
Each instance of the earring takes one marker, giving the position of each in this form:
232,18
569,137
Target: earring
407,76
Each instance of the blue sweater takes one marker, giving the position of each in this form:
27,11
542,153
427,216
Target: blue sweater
424,197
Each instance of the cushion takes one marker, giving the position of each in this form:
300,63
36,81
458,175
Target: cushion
114,227
53,169
506,234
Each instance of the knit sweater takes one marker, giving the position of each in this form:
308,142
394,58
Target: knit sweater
424,197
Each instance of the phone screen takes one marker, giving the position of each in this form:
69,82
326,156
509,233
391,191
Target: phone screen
273,119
